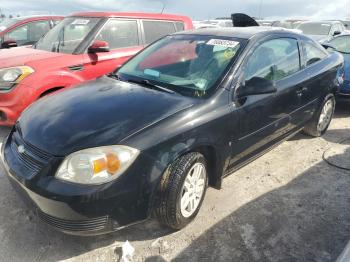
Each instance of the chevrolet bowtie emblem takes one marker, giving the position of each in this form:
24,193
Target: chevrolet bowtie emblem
21,149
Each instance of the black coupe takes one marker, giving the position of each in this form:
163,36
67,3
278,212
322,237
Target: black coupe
148,139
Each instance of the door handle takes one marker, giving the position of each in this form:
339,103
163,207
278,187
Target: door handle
301,91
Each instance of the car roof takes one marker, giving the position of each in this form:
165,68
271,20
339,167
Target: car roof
156,16
22,18
238,32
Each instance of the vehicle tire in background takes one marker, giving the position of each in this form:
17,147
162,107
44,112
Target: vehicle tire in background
182,190
322,118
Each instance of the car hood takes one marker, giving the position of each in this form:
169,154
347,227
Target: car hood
97,113
19,56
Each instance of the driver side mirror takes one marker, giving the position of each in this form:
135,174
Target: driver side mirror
336,33
256,86
99,47
9,44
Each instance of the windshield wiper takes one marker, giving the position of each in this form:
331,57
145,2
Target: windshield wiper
148,84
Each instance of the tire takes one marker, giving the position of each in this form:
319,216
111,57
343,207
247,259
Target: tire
315,128
171,209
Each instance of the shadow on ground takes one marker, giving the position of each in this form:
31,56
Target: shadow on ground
306,220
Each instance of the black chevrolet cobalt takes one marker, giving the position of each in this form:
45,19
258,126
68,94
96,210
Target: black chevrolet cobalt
150,138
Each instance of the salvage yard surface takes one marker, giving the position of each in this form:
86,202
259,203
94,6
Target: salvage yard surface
288,205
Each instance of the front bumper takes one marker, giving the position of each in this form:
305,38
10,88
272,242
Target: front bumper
13,103
82,227
77,209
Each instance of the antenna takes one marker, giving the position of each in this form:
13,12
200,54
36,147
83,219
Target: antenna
164,5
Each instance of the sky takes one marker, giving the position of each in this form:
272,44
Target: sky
196,9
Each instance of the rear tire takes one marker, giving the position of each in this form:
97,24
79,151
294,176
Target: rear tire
182,190
322,118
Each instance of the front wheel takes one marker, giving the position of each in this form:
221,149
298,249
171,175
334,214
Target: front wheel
182,190
322,119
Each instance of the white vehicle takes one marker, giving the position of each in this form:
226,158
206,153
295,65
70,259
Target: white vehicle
322,31
214,23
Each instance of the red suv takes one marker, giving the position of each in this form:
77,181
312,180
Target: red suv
82,47
26,30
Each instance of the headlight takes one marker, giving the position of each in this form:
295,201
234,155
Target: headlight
97,165
9,77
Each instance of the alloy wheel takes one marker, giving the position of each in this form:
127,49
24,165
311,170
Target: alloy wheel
193,190
326,115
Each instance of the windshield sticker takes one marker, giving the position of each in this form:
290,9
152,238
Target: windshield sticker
80,22
229,53
326,25
220,42
151,72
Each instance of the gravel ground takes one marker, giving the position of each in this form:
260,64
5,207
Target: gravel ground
288,205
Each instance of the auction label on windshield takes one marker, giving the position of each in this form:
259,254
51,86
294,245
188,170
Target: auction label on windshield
80,22
221,42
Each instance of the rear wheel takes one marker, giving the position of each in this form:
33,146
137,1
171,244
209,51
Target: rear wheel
182,191
322,118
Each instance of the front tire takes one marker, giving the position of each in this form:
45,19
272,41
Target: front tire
322,118
182,190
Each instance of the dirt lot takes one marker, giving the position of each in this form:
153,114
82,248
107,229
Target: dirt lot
289,205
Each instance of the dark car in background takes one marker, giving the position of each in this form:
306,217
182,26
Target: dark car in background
342,44
321,31
182,114
26,30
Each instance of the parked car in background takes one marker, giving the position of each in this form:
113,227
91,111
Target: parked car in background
184,113
266,22
279,24
342,44
203,24
221,22
215,23
26,30
322,31
82,47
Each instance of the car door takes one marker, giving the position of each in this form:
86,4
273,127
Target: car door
264,118
123,37
318,78
29,33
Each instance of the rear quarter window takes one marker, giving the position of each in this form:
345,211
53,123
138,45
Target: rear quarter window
313,54
155,30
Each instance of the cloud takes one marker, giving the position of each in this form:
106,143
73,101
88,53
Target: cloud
197,9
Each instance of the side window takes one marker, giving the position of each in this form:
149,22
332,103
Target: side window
120,33
274,60
28,33
37,30
19,34
313,54
155,30
180,26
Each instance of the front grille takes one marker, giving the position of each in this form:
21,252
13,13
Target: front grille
94,224
32,158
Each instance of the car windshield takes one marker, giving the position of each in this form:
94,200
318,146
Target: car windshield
341,44
7,23
188,64
67,35
315,28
